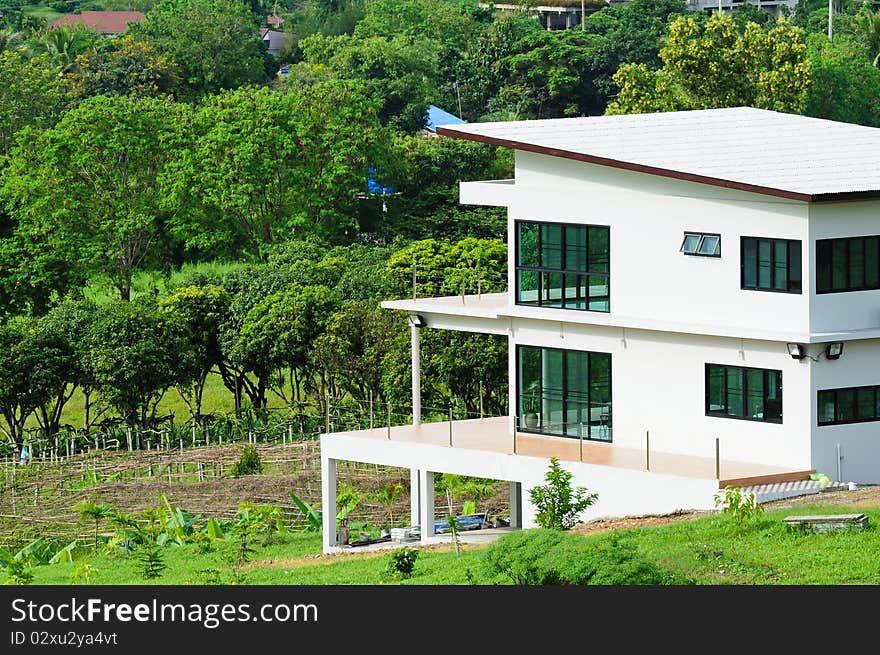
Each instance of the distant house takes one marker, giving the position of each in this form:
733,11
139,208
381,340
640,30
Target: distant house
274,21
109,23
274,40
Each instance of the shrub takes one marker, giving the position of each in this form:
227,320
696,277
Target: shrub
249,462
18,572
557,503
401,563
552,557
150,561
737,506
82,574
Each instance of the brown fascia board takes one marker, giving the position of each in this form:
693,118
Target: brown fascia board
664,172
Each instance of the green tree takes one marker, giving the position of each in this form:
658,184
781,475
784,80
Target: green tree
33,367
214,42
271,166
866,27
30,95
845,86
72,319
717,66
559,504
350,350
129,68
137,353
203,310
62,47
87,189
398,72
276,339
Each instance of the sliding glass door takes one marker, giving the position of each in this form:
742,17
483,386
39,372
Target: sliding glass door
564,392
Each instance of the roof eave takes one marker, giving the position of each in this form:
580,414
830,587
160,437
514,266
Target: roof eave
664,172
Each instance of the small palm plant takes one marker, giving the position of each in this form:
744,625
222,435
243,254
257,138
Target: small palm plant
388,495
89,511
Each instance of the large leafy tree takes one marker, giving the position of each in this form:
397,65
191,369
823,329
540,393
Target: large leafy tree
31,94
129,68
68,325
845,86
137,353
34,363
719,66
215,42
349,352
203,310
276,340
86,191
399,72
454,364
270,166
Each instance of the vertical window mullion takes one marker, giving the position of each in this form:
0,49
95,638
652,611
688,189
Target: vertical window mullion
589,434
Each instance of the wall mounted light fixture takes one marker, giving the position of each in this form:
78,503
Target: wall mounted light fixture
796,350
834,350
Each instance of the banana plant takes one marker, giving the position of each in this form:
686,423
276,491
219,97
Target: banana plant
313,516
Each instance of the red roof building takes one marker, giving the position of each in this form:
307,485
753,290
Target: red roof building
104,22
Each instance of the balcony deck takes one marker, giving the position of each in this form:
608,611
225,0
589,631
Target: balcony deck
493,435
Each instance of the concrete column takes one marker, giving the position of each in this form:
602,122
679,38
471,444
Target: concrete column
426,504
328,502
528,513
416,376
516,505
414,496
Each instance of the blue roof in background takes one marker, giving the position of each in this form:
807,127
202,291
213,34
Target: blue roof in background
437,116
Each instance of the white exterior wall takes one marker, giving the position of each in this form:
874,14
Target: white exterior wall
648,216
859,365
851,310
658,384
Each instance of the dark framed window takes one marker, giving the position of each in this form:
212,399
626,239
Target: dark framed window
702,244
753,394
771,264
849,264
563,266
565,393
849,405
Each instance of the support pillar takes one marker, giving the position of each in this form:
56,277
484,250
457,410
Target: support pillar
328,502
516,505
414,476
426,505
416,376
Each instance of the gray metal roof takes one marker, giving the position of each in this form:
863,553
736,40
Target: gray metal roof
756,150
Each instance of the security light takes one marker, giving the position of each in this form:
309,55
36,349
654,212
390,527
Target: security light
796,350
834,350
417,320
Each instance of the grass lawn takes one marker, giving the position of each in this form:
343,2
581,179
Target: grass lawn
42,11
708,550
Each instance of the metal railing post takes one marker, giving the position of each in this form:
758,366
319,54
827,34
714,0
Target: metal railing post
389,421
581,441
481,399
415,266
327,414
717,458
371,409
450,426
515,424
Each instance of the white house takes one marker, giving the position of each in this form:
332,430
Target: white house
694,301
